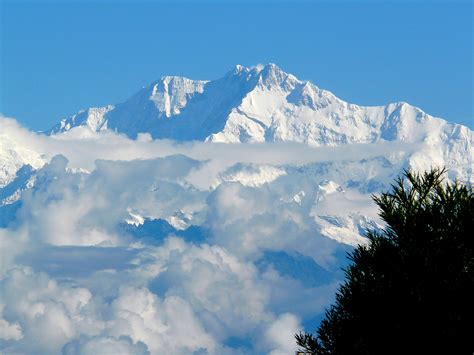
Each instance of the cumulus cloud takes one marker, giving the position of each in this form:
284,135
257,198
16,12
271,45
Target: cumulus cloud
223,289
48,313
166,326
9,331
105,345
218,255
281,334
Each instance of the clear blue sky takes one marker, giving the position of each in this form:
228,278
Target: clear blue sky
59,57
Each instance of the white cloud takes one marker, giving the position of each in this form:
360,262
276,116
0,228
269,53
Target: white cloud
74,281
9,331
105,345
48,313
222,289
166,326
281,334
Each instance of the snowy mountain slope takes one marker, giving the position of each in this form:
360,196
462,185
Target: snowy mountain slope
14,154
24,179
92,118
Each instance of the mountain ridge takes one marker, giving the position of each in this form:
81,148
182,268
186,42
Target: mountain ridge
255,104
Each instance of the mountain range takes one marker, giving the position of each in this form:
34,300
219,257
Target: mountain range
259,104
265,104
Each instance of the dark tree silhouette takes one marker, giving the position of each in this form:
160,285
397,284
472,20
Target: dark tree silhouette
411,289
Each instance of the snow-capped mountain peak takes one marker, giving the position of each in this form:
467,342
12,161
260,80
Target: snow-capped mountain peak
263,103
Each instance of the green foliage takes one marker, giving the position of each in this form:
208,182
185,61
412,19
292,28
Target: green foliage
410,290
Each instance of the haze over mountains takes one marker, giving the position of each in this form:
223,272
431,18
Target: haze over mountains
113,240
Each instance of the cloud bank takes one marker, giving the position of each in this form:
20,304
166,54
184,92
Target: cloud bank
110,245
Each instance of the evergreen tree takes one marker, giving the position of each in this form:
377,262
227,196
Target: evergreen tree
410,290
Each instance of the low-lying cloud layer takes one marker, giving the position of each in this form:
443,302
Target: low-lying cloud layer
110,245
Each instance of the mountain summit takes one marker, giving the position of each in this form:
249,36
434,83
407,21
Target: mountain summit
260,104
